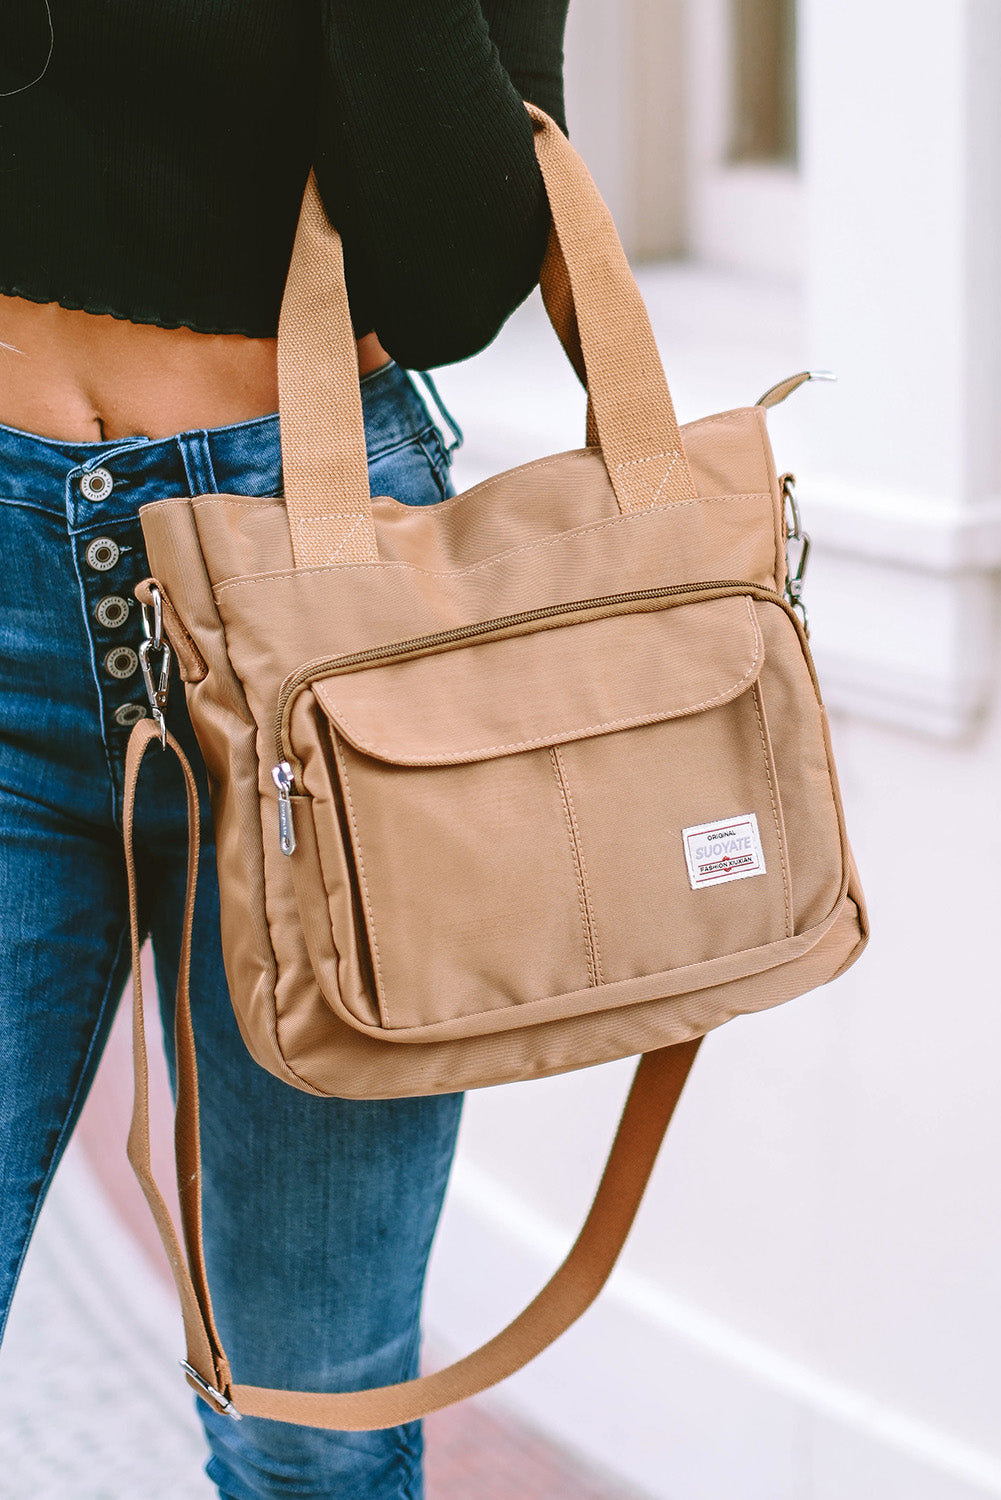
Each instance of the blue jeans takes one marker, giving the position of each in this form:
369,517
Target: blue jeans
319,1212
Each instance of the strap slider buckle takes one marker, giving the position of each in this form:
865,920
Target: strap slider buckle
218,1400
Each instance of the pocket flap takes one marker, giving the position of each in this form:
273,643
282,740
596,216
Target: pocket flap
521,692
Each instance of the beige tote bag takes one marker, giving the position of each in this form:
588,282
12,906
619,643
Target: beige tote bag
515,784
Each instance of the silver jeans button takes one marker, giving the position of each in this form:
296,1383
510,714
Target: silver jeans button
112,611
129,714
121,661
97,485
102,554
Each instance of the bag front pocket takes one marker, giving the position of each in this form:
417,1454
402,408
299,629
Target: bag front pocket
504,822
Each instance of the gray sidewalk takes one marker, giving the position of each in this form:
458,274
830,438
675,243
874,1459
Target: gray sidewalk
92,1404
94,1407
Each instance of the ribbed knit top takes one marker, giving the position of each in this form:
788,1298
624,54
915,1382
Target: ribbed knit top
155,169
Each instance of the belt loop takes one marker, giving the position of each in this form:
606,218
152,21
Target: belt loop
196,456
454,428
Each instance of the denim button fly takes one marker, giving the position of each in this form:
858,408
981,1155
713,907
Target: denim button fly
129,713
112,611
121,661
97,485
102,554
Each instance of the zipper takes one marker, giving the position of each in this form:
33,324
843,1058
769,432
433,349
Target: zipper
283,772
283,780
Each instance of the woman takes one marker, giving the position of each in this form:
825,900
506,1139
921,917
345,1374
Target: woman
152,161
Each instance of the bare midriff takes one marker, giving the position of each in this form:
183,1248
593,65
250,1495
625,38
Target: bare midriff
86,377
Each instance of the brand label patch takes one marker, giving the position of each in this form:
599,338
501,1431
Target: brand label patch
725,850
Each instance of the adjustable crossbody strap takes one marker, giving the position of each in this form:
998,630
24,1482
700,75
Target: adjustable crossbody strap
656,1088
204,1349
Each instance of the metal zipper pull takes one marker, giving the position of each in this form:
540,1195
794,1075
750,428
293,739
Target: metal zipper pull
282,778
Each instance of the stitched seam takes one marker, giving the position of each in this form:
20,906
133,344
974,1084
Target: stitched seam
454,501
574,733
183,631
769,462
583,897
579,843
578,872
438,462
22,502
719,416
672,454
334,515
360,863
552,541
174,620
258,502
338,516
775,813
257,847
175,500
629,463
559,458
667,474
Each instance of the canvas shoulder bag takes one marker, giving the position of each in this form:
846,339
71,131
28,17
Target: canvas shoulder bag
515,784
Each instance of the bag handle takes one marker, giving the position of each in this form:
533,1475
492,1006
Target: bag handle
656,1088
594,304
596,308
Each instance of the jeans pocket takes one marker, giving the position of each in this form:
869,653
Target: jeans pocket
417,473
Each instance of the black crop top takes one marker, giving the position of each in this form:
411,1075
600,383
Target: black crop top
155,170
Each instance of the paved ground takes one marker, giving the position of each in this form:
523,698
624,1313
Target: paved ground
91,1408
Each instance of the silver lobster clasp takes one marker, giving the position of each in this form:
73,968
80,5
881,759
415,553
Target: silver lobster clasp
797,549
156,691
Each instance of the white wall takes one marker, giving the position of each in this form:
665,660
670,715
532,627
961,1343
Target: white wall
810,1305
625,96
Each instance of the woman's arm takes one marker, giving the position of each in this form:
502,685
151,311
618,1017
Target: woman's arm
425,162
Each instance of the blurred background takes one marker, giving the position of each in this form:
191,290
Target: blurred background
810,1305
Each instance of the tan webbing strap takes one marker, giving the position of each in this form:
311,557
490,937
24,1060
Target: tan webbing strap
594,305
656,1088
324,459
637,427
554,279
